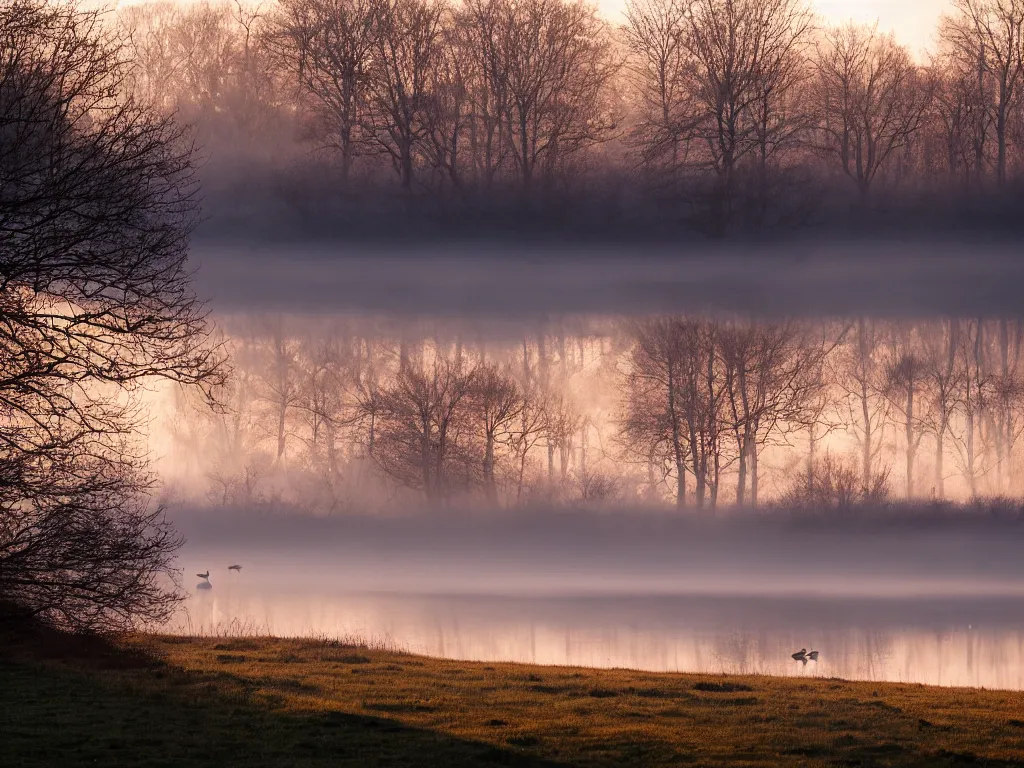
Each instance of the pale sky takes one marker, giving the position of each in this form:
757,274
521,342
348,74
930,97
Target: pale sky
913,21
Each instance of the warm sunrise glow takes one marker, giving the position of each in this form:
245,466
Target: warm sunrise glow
912,21
521,382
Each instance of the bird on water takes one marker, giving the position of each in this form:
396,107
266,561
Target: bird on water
205,583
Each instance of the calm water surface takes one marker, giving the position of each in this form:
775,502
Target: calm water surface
951,641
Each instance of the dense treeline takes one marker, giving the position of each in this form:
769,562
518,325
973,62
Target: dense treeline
675,410
714,116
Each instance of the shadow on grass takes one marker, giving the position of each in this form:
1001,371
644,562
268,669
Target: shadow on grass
84,701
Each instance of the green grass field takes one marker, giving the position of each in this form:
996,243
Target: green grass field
163,701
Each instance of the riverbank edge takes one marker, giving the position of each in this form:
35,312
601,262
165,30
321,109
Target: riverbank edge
190,701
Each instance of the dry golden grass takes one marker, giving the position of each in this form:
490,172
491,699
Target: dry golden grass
256,701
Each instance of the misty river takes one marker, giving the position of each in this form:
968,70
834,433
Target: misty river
954,641
935,604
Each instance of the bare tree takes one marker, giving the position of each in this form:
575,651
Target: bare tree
564,424
654,423
408,52
424,428
554,63
156,61
960,115
477,23
1008,397
940,342
858,374
905,377
278,384
530,430
770,373
987,37
328,46
449,115
676,394
972,401
871,99
326,373
500,406
747,61
659,70
96,209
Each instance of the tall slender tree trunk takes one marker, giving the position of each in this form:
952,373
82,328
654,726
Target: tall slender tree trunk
545,383
911,446
428,486
677,448
863,349
754,478
652,482
812,448
584,445
282,413
741,479
489,484
1001,136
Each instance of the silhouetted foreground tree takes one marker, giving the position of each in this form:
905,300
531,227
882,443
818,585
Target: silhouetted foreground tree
96,206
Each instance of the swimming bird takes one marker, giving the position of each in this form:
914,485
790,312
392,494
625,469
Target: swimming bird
800,655
812,655
234,567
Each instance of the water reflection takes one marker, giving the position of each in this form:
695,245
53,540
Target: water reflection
959,641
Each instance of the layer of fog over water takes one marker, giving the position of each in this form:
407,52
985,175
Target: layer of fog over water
895,369
939,604
892,278
601,580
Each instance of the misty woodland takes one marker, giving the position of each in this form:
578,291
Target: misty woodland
717,116
707,116
352,415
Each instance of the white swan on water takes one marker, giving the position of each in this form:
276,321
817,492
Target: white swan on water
205,583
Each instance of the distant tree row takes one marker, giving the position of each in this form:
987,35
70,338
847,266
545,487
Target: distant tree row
723,114
682,410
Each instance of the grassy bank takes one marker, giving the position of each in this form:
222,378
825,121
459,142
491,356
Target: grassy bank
162,701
